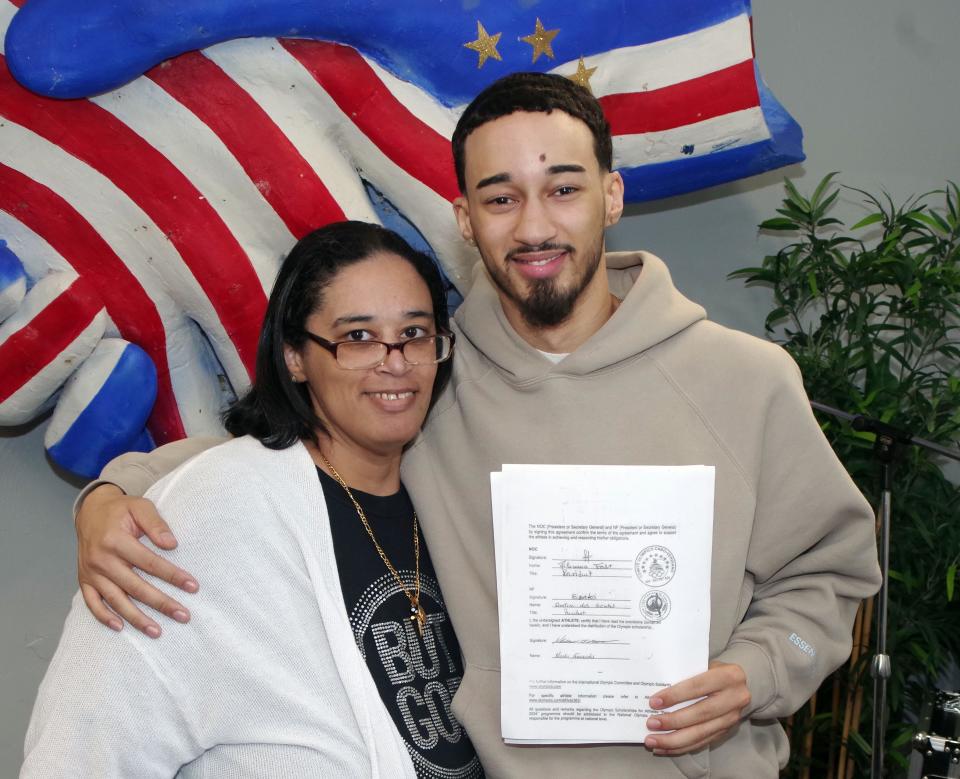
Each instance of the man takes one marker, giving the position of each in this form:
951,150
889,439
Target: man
567,354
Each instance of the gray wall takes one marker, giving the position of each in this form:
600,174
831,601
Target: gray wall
873,84
37,578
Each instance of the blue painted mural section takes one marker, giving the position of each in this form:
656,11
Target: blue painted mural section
114,421
63,48
66,48
391,217
784,147
11,269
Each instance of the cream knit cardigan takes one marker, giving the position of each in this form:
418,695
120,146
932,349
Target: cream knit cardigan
265,680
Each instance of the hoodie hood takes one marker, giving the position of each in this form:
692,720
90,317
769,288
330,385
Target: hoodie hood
652,311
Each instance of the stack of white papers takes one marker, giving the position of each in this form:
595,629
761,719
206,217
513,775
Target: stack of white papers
603,580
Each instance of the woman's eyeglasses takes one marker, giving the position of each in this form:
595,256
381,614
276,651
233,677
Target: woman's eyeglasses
362,355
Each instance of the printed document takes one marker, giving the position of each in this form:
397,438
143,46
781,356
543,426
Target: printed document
603,581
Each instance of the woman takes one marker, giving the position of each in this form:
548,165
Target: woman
324,558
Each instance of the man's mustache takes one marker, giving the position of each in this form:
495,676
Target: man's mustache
543,247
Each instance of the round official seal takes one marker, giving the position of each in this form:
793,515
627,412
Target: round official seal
655,606
655,566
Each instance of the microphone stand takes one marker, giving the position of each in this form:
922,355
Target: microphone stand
889,442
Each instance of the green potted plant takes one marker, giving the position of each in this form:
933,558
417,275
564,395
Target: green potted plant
871,314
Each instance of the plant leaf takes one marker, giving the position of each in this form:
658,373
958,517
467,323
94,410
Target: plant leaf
820,210
859,740
930,221
871,319
902,739
868,220
824,183
779,223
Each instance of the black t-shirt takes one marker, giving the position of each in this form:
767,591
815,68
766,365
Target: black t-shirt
416,676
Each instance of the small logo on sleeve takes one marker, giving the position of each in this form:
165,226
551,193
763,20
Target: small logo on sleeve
802,645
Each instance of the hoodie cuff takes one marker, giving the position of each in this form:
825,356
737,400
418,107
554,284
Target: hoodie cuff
757,665
86,491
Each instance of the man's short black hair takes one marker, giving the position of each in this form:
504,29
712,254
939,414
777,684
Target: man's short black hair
533,93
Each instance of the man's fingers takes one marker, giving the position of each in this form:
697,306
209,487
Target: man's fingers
683,751
139,556
719,677
133,586
99,609
145,515
111,556
687,690
727,701
122,605
724,694
690,737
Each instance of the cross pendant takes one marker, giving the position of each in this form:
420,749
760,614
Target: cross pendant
418,616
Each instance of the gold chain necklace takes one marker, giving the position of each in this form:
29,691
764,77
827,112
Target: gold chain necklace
417,615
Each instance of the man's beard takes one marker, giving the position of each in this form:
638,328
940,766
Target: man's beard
548,304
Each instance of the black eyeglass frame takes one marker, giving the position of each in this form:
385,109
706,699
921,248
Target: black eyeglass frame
332,346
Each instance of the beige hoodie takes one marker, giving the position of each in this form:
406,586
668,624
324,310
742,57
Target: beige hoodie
793,542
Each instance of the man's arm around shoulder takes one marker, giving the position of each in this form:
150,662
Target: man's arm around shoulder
110,519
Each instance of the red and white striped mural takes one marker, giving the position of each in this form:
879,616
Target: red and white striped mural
169,201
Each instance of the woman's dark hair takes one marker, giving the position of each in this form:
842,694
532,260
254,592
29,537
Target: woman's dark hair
277,411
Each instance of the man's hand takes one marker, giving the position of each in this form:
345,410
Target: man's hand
109,525
725,694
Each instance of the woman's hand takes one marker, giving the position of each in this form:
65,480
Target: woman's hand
109,526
